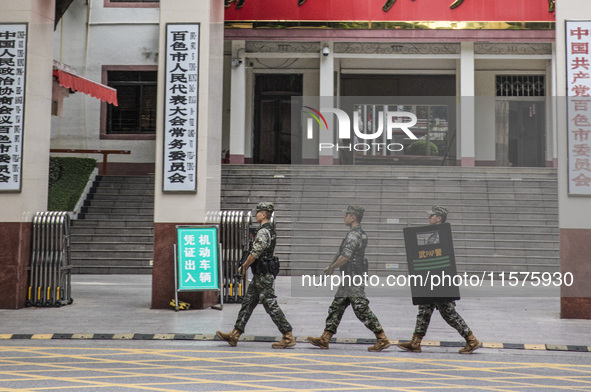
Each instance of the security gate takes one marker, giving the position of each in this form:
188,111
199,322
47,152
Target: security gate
50,279
235,237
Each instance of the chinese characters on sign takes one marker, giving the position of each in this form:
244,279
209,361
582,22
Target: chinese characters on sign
180,108
197,258
13,52
578,37
430,251
423,254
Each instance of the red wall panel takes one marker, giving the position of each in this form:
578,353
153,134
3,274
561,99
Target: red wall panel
402,10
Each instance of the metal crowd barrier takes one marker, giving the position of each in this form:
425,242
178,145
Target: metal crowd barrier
235,237
237,229
50,279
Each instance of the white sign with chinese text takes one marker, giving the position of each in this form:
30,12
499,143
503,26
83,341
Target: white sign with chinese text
181,108
13,64
578,84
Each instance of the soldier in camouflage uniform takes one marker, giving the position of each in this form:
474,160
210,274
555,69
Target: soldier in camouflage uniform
261,286
351,260
447,309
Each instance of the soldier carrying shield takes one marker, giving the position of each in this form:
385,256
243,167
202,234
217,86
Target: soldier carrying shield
447,309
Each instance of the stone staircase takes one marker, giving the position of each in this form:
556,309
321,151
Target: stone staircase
115,232
503,219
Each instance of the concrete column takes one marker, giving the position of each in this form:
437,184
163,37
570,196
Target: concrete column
18,208
327,157
173,209
466,123
238,103
574,223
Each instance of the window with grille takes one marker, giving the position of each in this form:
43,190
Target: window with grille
521,86
136,94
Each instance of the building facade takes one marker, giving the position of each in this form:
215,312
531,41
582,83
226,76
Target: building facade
477,76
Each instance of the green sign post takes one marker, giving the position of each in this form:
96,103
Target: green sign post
198,258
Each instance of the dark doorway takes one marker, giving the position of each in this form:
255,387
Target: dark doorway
423,95
273,136
398,85
527,141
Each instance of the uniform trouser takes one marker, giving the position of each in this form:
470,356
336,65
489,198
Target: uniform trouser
261,289
448,312
354,296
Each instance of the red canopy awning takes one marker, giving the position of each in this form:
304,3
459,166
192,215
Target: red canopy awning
86,86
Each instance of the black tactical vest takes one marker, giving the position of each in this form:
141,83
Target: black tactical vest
268,253
357,264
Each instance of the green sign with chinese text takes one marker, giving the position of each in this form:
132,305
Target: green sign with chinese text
197,258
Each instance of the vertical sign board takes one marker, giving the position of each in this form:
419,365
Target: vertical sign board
181,108
13,63
578,85
429,252
198,262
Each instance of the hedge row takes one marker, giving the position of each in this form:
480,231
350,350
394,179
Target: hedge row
67,180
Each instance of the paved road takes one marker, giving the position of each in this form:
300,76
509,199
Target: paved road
125,366
109,340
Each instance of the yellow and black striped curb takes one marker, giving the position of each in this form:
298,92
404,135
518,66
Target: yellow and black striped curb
246,338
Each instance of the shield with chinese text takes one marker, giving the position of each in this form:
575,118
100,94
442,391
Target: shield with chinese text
431,264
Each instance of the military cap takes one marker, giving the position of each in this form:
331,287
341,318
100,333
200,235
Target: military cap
357,210
265,206
438,210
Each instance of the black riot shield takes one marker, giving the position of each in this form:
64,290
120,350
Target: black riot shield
431,264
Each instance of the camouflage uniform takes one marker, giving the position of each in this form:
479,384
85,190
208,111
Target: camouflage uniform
447,309
353,248
261,286
449,314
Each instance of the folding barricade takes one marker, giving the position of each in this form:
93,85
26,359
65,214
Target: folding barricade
235,237
50,279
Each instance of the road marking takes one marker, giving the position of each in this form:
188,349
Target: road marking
167,370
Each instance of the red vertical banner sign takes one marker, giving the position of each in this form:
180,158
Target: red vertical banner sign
578,86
